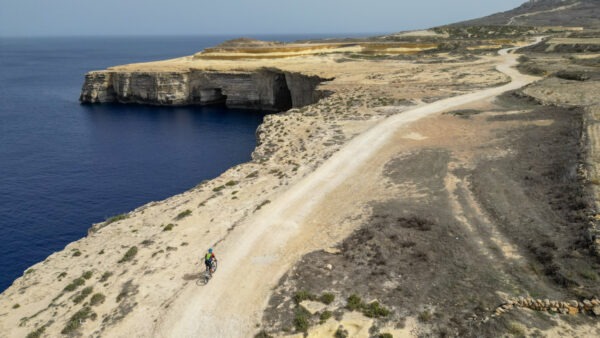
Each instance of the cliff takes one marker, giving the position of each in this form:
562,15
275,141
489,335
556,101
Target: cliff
264,88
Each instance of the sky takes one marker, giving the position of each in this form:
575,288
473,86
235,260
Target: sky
233,17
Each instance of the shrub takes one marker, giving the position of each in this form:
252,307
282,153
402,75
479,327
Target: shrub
169,227
183,214
116,218
589,274
76,320
83,294
105,276
324,316
354,303
425,316
371,310
265,202
87,274
301,319
16,306
385,335
219,188
37,333
62,275
263,334
76,253
303,295
96,299
129,254
231,183
77,282
341,333
327,298
375,310
147,242
516,330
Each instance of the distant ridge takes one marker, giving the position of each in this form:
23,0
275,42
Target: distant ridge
573,13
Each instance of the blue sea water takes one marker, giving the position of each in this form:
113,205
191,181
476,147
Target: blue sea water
64,166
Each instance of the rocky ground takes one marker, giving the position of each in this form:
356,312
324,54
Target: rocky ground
446,225
491,211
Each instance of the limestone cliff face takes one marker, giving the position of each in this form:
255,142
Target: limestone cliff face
261,89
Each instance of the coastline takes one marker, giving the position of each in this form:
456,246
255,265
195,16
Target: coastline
401,141
312,134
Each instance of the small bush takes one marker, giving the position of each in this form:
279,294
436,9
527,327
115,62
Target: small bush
231,183
105,276
219,188
129,254
516,330
96,299
128,289
327,298
83,294
76,253
77,282
169,227
37,333
76,320
252,174
354,303
87,274
589,274
116,218
62,275
301,319
324,316
16,306
375,310
385,335
265,202
147,242
263,334
341,333
303,295
183,214
425,316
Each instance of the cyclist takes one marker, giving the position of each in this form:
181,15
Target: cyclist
209,257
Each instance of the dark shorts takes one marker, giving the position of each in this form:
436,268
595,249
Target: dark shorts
207,263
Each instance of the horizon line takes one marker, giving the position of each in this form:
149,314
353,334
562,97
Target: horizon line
373,33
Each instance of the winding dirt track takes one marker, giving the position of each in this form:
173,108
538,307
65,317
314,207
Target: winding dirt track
258,252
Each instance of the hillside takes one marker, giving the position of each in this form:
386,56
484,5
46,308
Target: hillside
573,13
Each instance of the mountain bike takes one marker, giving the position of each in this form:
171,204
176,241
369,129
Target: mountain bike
209,272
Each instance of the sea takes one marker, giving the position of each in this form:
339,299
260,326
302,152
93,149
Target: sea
65,166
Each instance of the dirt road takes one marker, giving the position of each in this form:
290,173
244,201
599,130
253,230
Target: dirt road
259,251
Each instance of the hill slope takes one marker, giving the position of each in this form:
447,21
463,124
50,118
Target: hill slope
580,13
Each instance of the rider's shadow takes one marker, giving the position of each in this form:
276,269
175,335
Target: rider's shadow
192,276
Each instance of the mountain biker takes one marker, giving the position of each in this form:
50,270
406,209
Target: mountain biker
209,257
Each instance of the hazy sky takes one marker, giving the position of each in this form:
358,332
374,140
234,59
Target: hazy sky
200,17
